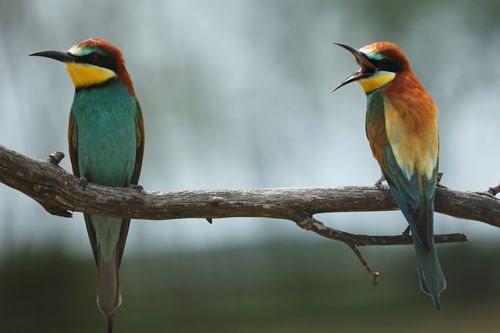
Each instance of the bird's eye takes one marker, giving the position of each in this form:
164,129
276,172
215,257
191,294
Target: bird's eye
383,62
389,65
94,57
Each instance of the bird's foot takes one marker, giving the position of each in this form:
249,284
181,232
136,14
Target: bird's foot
406,232
83,182
136,187
55,158
438,179
378,183
209,220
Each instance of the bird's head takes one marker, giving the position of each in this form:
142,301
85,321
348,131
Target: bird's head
92,62
380,63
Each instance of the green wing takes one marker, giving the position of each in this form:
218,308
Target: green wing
73,144
139,127
139,153
414,196
73,152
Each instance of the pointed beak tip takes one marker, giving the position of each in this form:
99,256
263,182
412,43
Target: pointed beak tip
336,88
349,48
56,55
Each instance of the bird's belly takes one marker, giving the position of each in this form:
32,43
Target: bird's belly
107,149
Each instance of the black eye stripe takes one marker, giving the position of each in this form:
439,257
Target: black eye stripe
388,65
99,59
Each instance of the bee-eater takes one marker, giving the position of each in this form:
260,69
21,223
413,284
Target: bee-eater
401,126
106,145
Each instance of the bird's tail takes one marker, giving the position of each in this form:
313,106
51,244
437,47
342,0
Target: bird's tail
108,289
432,281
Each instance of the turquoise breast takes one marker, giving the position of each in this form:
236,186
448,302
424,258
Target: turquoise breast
105,116
105,119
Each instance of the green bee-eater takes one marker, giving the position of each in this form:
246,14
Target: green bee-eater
106,145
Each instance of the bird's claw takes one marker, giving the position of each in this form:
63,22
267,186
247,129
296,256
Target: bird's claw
439,176
209,220
378,183
406,232
136,187
83,181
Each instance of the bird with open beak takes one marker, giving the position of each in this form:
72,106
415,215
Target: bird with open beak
401,126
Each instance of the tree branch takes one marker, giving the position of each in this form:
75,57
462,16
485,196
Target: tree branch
59,193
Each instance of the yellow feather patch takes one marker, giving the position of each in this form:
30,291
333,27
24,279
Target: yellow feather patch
377,80
415,149
84,75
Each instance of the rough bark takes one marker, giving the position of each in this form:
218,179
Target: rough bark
59,193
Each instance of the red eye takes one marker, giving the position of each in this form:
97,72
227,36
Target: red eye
94,57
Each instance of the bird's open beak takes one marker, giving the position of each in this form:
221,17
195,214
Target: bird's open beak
366,67
56,55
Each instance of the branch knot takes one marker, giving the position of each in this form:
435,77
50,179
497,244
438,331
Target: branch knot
216,201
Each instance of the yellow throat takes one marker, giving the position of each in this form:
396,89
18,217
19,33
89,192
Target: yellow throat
85,75
376,81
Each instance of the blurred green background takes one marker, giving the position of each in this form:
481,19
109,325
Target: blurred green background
236,94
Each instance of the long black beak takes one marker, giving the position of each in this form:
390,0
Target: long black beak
366,67
56,55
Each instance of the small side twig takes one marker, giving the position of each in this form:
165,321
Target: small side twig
494,190
373,274
308,222
55,158
491,192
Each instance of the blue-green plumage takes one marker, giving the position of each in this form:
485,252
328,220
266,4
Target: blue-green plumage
106,138
106,145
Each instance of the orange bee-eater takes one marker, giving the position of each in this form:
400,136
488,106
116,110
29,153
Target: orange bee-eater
401,126
106,145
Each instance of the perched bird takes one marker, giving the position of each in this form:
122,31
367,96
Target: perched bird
401,126
106,145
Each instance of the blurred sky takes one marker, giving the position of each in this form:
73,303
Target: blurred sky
236,94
